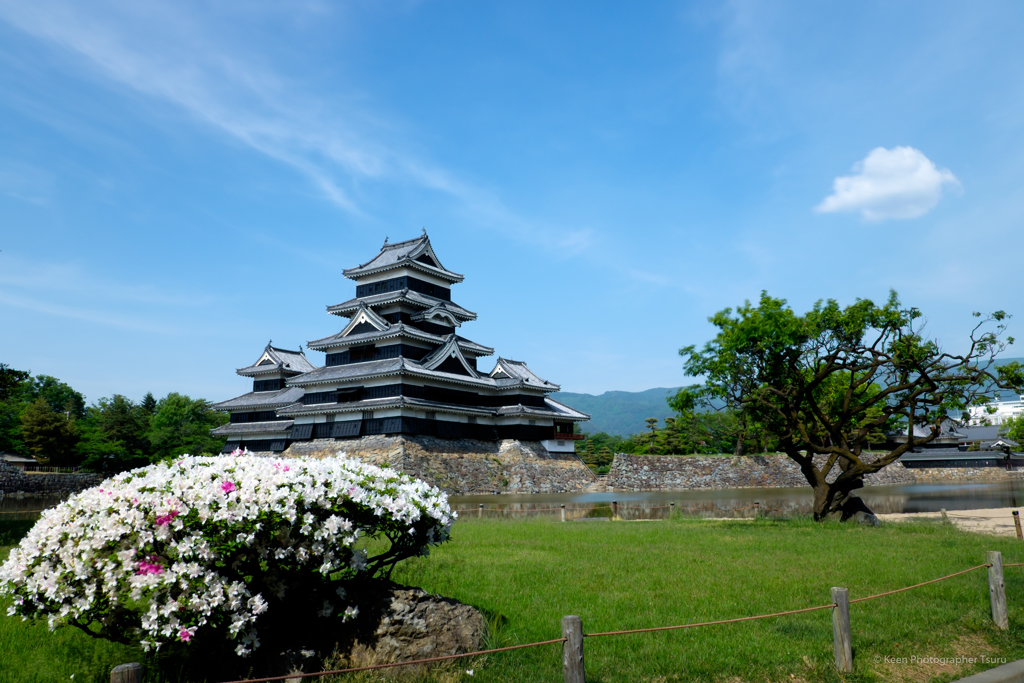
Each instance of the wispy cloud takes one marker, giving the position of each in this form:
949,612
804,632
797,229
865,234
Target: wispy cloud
69,291
25,183
107,318
166,52
72,281
160,51
890,183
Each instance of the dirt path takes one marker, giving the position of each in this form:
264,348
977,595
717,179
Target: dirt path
998,521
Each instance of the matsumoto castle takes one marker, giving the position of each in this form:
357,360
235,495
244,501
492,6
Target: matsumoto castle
398,367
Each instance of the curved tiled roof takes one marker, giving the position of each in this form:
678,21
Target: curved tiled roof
415,253
274,359
396,330
514,371
406,296
264,400
249,428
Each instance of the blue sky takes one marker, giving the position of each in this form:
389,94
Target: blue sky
180,182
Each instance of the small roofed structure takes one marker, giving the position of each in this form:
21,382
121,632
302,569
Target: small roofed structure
20,462
1005,445
254,423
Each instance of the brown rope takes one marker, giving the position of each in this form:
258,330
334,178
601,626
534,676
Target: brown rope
20,512
1014,564
708,623
918,585
392,664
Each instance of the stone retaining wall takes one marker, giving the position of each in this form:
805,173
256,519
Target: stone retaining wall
674,473
13,481
463,466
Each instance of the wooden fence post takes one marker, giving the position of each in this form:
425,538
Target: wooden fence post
996,589
572,650
945,519
1016,523
672,509
126,673
563,512
480,511
757,509
615,509
841,629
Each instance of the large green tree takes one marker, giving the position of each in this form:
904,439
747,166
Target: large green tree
50,434
11,381
113,435
1014,429
11,405
182,425
828,383
60,395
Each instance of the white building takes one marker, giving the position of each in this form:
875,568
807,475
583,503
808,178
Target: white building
996,413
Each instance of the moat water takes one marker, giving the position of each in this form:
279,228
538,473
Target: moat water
742,502
702,502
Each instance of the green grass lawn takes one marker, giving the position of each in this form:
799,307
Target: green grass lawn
526,575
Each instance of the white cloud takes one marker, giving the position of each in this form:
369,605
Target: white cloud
889,183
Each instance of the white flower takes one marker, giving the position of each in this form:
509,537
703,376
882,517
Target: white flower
153,540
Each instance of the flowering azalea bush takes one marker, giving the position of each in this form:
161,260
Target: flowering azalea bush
187,549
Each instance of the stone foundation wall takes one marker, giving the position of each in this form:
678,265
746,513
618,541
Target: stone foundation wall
13,481
463,466
674,473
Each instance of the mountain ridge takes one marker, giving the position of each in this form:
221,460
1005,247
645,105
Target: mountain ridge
619,413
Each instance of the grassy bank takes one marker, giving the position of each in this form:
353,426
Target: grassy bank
526,575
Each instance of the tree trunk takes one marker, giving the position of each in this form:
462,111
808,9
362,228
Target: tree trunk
837,502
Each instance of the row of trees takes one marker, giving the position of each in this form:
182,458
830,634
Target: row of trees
45,417
688,433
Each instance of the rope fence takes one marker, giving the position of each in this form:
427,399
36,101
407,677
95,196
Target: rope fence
394,664
918,585
573,634
707,623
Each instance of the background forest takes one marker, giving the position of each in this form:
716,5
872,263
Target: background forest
46,418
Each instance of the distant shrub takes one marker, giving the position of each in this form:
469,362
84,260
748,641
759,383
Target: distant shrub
184,550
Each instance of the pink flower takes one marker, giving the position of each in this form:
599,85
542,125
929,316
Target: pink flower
185,635
150,567
168,518
227,486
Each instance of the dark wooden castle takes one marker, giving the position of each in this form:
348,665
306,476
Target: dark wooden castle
398,367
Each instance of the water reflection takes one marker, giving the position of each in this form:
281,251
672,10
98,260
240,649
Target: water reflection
14,507
739,503
728,503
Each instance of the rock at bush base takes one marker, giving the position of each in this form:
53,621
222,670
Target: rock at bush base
413,624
